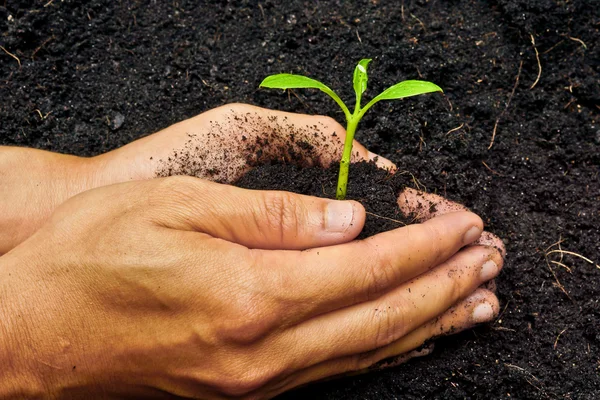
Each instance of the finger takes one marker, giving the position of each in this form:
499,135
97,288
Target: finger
422,206
226,142
360,153
300,138
255,219
480,307
327,371
328,278
489,239
377,323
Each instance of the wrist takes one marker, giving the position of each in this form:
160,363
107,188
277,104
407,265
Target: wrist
33,184
18,377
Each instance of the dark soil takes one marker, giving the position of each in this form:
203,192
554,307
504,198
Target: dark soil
102,73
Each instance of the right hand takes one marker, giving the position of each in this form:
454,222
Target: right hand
180,286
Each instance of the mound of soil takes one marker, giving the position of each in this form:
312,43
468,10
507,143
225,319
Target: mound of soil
516,138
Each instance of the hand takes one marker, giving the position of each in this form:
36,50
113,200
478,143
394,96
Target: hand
219,145
182,286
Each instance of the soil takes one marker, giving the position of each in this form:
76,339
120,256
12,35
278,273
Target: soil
92,76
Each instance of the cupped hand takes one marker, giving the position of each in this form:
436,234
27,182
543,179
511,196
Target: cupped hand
220,145
180,286
224,143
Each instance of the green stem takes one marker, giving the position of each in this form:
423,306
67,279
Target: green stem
345,162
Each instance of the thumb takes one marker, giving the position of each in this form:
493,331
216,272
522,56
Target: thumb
253,218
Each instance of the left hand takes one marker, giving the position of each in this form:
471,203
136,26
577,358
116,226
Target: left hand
219,145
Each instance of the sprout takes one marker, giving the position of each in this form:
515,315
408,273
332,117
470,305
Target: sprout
397,91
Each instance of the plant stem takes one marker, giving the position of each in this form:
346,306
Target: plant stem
345,162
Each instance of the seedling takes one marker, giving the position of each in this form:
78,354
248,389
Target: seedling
397,91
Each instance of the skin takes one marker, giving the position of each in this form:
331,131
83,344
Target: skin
180,286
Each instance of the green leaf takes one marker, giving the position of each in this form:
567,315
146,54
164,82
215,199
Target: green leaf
360,79
407,89
291,81
401,90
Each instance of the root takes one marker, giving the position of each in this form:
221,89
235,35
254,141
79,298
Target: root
382,217
507,105
573,254
12,55
455,129
491,170
549,251
537,57
578,41
558,337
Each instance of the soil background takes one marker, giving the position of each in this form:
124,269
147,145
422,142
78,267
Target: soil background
102,73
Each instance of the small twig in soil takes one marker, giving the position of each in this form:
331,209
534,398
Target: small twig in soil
455,129
491,170
527,373
569,103
302,101
419,21
358,36
43,117
579,41
449,102
12,55
507,105
402,11
40,47
573,254
415,180
553,47
537,57
502,313
48,3
558,337
561,265
558,284
560,240
382,217
262,11
421,143
501,328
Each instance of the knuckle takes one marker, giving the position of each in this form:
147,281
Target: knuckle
434,239
390,321
180,186
244,325
381,271
283,213
249,316
244,380
456,286
179,195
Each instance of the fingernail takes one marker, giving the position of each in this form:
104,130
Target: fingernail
472,235
339,216
489,270
482,313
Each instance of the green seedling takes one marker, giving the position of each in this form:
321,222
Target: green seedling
397,91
